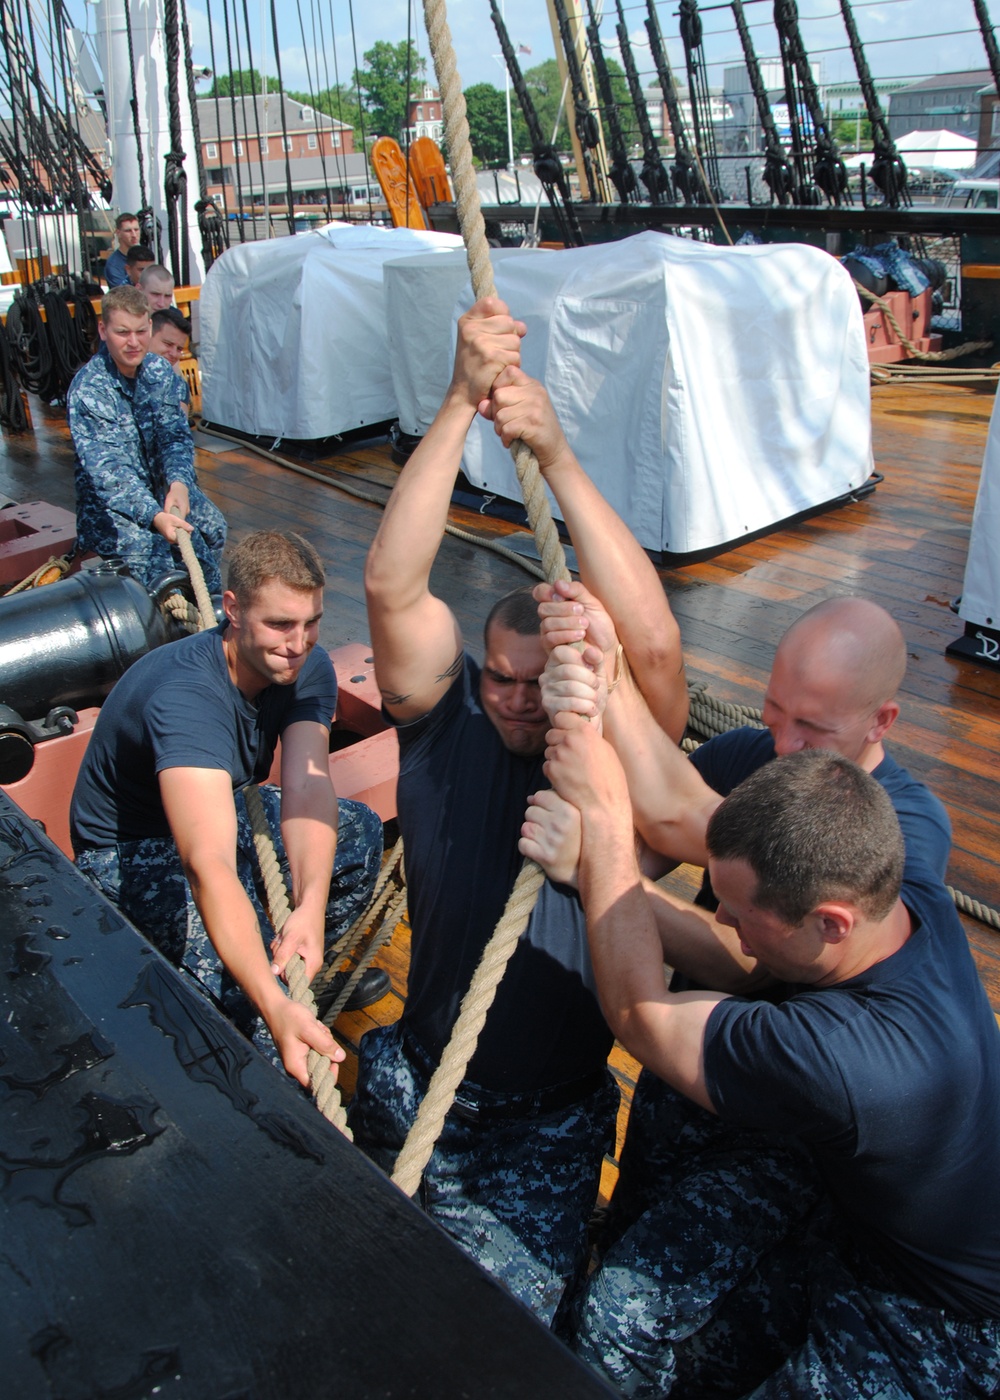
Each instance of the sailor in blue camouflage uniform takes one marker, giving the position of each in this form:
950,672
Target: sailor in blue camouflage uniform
827,1223
158,818
134,470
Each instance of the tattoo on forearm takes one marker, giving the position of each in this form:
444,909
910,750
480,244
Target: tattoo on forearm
392,698
452,670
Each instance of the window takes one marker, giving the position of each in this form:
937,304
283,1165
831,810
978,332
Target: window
335,137
263,145
286,143
237,148
420,111
311,140
211,150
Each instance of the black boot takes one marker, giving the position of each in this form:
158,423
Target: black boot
372,987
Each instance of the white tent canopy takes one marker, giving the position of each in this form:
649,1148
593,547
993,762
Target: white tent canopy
709,392
293,331
937,150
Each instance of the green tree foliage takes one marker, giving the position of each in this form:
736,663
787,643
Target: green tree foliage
245,81
486,107
383,85
850,132
545,88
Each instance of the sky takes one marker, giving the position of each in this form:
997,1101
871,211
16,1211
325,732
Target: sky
903,38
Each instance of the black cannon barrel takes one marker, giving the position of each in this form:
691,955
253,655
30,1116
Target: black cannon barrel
67,643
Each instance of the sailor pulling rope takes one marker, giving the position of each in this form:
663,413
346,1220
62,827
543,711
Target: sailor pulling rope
419,1145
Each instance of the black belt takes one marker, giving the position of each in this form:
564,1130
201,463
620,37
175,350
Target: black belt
476,1105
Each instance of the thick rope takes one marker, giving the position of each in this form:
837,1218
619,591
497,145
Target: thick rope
440,1096
56,567
380,935
426,1128
322,1082
390,880
203,598
175,605
926,356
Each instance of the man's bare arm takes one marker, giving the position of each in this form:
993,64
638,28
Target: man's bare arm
663,1031
691,939
309,833
613,565
200,809
416,640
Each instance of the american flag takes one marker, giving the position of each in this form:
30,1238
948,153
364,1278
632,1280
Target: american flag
523,48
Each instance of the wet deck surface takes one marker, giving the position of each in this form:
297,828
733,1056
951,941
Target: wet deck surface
903,546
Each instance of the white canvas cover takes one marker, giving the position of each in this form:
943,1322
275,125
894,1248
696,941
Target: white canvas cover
293,340
981,589
709,392
420,297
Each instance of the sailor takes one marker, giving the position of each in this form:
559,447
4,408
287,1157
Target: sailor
127,232
170,338
515,1172
158,284
134,469
833,685
137,260
159,824
826,1222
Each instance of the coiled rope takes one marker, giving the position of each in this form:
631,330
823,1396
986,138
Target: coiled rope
419,1145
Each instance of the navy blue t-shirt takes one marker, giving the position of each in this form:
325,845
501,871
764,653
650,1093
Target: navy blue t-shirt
177,708
727,759
462,797
892,1079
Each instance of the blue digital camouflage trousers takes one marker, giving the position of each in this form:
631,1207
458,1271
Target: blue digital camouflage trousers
728,1272
515,1189
146,881
147,553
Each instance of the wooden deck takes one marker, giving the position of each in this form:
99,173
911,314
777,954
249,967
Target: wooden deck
904,546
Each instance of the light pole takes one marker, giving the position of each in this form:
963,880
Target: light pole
510,126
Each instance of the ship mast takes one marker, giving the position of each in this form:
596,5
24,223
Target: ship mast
132,52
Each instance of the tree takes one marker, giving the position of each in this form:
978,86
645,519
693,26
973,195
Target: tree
850,131
545,89
487,112
244,82
383,85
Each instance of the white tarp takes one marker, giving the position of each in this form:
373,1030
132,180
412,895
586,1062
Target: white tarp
420,297
981,589
293,339
709,392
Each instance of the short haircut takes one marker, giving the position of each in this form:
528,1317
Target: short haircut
812,826
140,253
155,273
517,611
170,316
131,300
273,554
126,219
